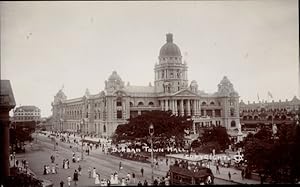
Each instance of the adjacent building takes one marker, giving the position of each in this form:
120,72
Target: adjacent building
102,112
26,114
255,114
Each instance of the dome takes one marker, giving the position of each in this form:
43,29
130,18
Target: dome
114,76
194,83
170,49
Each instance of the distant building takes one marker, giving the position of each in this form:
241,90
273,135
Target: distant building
27,113
101,113
46,124
253,115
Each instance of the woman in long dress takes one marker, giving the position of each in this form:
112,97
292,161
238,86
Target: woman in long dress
53,169
94,173
97,179
66,164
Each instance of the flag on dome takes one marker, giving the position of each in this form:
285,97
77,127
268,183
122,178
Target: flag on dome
270,95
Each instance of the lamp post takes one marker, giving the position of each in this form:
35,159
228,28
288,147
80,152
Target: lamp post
81,122
36,131
151,132
14,155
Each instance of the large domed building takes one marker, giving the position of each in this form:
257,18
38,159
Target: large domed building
101,113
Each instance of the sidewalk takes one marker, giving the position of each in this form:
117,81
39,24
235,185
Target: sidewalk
235,175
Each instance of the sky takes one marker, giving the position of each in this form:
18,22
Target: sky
76,45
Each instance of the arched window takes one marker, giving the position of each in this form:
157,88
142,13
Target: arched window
233,124
250,117
270,118
151,103
255,117
245,118
203,103
131,104
104,128
140,103
212,103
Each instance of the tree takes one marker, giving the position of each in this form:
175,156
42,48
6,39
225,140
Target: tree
165,125
19,135
214,138
276,156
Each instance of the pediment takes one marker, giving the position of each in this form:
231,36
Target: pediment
119,93
185,93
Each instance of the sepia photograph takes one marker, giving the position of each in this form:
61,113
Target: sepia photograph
149,93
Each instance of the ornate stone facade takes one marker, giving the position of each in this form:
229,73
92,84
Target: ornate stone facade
103,112
253,115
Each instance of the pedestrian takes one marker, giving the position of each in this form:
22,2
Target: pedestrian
133,177
229,175
243,174
217,169
90,172
78,158
69,181
94,173
61,183
145,183
45,170
142,171
167,161
56,168
128,177
120,166
75,177
140,183
53,169
79,170
97,178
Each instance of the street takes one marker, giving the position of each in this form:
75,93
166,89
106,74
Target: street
39,155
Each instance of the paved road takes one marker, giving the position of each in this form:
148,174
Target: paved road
40,153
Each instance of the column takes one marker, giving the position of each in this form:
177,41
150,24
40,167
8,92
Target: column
123,109
172,106
194,108
213,113
175,107
188,108
162,102
181,108
167,104
204,112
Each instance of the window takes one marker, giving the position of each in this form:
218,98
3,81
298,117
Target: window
151,103
131,104
140,104
203,103
212,103
232,111
119,114
104,128
233,124
119,103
